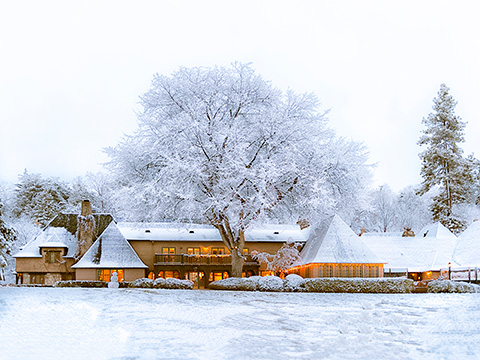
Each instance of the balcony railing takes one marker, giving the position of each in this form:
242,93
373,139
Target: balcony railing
184,259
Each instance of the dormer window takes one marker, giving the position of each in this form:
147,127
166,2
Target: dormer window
53,256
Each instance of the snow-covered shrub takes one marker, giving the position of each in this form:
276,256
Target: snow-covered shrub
448,286
270,283
141,283
81,283
359,285
253,283
241,284
159,283
293,282
173,283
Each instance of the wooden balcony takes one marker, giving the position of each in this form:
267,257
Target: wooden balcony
184,259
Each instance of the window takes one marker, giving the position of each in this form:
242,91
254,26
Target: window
168,254
52,257
218,251
245,251
193,251
169,274
106,274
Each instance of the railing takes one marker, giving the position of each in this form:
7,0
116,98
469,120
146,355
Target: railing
184,259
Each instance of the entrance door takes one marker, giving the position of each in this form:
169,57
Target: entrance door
198,278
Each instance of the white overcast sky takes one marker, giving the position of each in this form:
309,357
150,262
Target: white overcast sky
71,72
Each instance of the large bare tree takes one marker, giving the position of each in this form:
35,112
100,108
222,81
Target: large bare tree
223,146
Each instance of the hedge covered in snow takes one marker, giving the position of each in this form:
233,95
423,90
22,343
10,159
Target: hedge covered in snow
139,283
449,286
331,285
161,283
81,283
359,285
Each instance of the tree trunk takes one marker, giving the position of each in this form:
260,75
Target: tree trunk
237,263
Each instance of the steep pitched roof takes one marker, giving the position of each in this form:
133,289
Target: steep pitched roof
334,242
61,231
467,249
110,250
430,249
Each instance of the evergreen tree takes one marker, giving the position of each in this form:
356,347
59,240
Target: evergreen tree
40,199
443,165
7,238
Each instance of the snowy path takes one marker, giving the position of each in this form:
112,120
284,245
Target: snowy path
132,324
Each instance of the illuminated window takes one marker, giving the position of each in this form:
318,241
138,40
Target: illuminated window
218,251
193,251
52,256
245,251
168,254
106,274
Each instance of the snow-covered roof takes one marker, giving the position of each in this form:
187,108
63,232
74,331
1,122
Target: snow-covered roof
110,250
430,249
467,249
335,242
50,237
203,232
60,232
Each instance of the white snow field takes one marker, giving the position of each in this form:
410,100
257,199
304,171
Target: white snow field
79,323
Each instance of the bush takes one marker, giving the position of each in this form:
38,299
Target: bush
297,283
141,283
81,283
359,285
270,283
449,286
293,282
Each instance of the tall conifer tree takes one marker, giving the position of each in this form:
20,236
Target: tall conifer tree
442,162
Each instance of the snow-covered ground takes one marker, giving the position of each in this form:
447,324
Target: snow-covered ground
78,323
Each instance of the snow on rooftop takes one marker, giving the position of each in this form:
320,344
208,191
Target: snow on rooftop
110,250
335,242
50,237
203,232
430,249
467,249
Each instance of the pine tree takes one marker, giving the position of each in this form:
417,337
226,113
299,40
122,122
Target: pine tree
443,165
40,199
7,238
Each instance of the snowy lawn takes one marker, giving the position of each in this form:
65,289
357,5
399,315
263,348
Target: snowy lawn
79,323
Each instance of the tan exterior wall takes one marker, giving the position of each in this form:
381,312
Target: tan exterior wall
86,274
146,250
133,274
39,265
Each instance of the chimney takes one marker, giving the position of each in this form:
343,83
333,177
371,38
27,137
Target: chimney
86,229
86,208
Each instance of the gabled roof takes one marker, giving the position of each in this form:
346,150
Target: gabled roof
111,250
430,249
50,237
203,232
467,249
334,242
61,233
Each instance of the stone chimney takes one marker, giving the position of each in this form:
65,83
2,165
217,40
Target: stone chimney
86,229
86,208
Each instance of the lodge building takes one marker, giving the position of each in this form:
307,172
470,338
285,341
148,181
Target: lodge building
89,246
